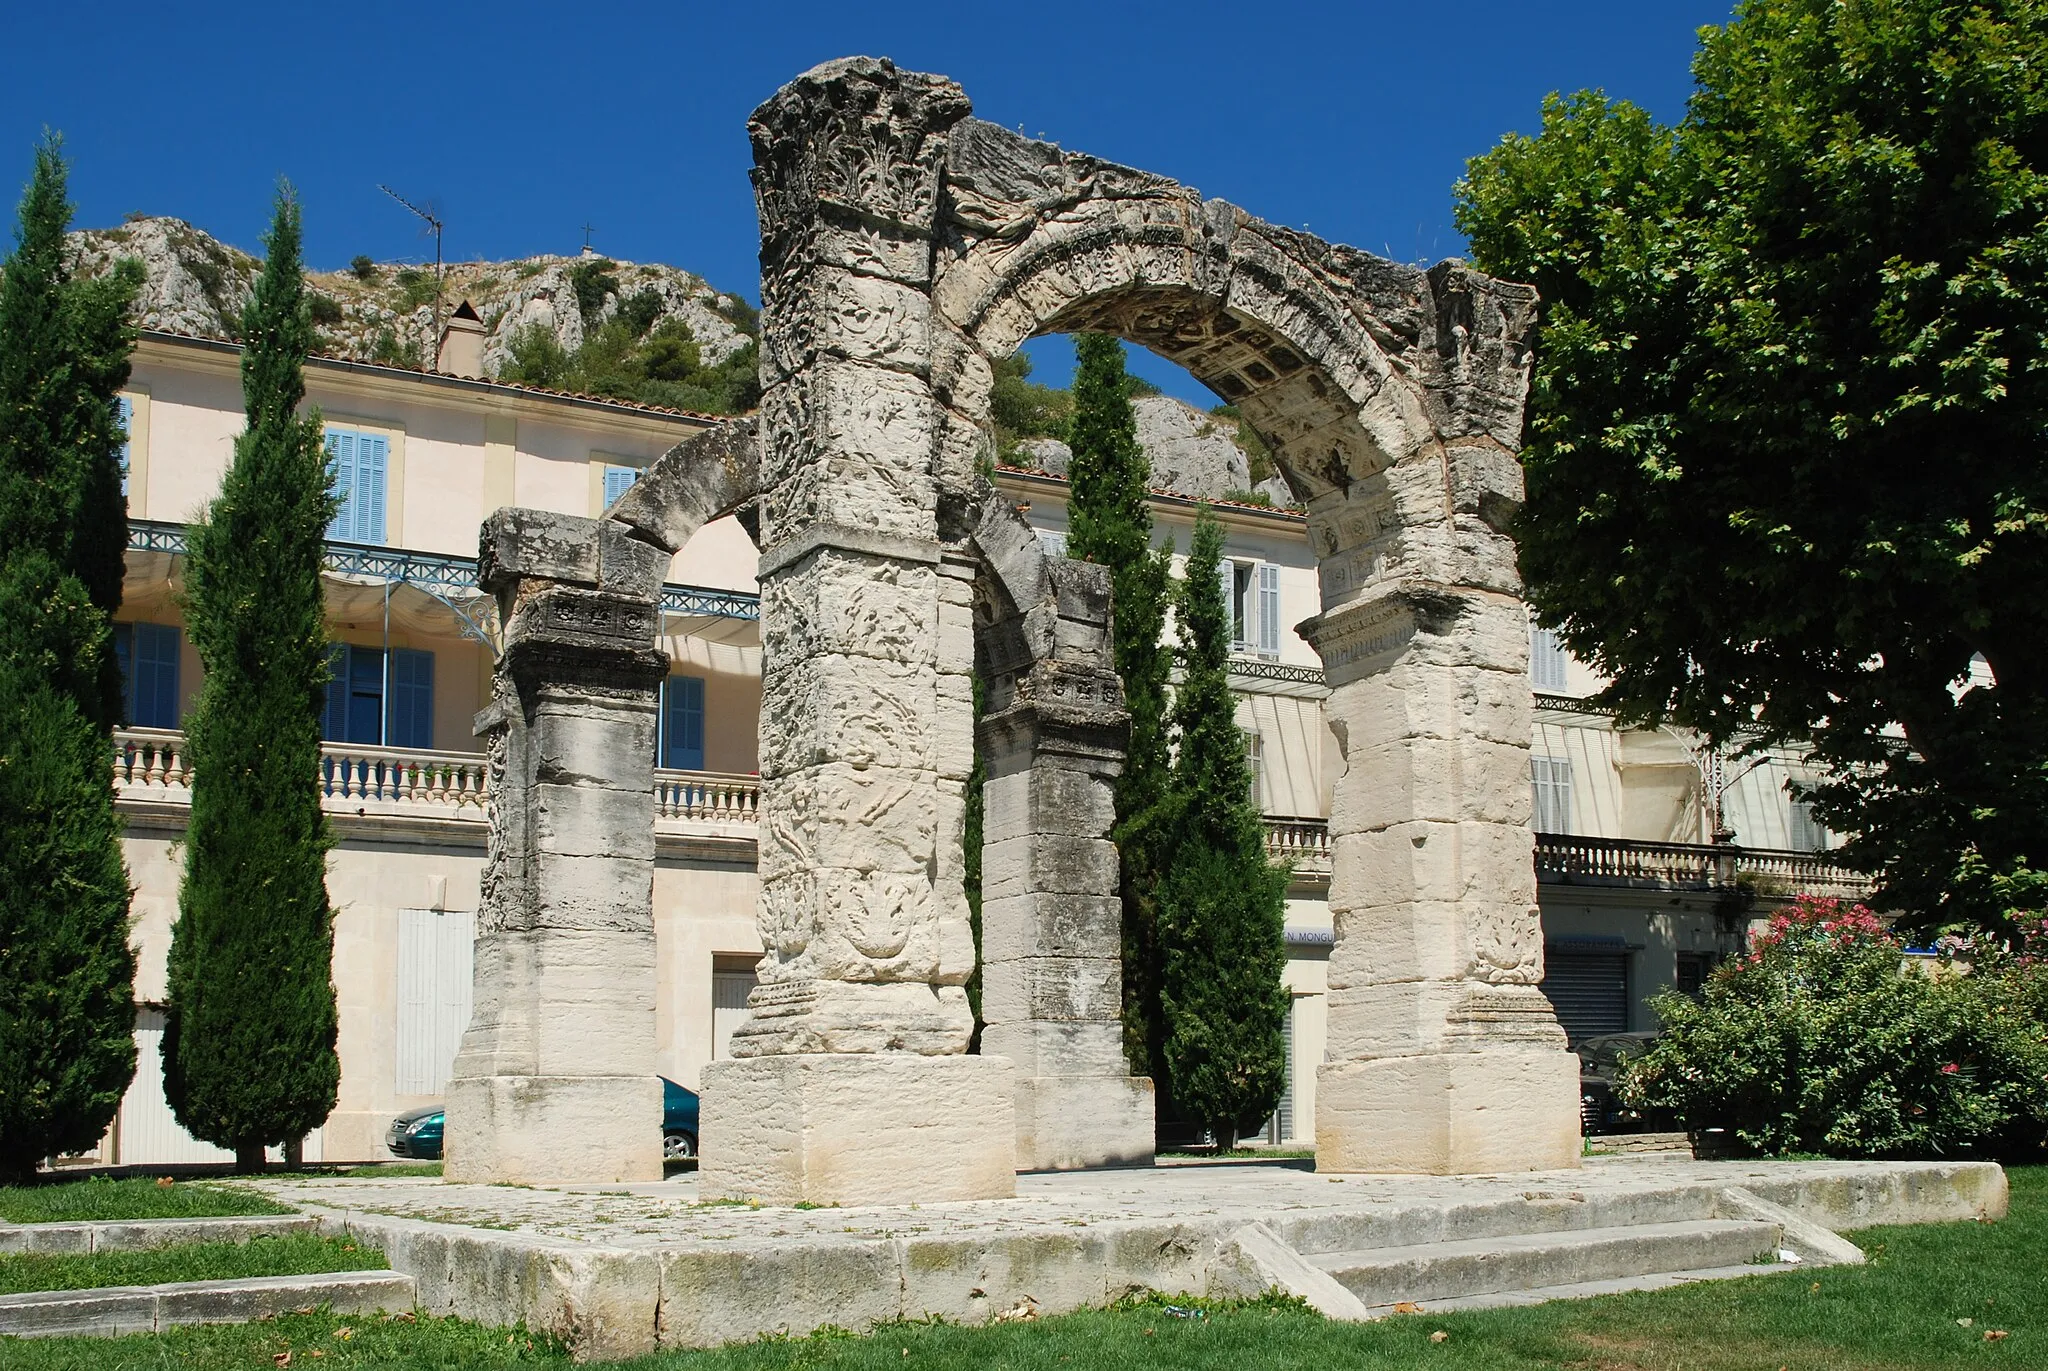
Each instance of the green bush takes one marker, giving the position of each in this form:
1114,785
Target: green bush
1826,1038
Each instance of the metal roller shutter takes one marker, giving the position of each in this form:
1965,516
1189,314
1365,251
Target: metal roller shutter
1588,987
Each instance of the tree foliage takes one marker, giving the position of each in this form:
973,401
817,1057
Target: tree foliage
1021,408
1785,463
1222,904
249,1043
630,357
1110,524
67,1014
1824,1038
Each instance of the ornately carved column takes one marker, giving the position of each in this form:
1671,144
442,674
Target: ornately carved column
851,1083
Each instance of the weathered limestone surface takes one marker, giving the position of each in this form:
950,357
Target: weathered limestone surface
1053,737
1392,400
560,1045
905,248
861,1015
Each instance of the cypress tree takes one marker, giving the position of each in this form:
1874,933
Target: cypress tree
1222,904
1109,523
249,1055
67,1011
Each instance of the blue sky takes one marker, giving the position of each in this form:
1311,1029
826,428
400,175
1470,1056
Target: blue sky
524,122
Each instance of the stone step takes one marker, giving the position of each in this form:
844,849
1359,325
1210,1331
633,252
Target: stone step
1534,1261
135,1235
117,1310
1582,1290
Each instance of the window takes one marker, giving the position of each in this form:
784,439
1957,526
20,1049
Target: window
356,465
149,655
1693,970
1251,597
1255,763
617,481
379,699
1551,777
1546,659
124,416
1806,833
681,745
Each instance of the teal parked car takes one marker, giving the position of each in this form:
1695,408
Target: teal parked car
416,1134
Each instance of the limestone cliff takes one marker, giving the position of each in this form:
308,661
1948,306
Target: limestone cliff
385,312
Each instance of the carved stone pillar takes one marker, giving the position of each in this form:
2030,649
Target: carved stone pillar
1443,1056
850,1083
1053,739
555,1080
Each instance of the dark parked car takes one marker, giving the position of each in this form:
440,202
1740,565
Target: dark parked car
417,1132
1600,1063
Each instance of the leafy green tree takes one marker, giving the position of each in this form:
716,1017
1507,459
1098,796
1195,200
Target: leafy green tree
67,1013
1109,524
1022,408
1222,904
249,1057
1785,463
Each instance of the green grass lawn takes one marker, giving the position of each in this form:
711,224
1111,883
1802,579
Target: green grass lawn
1899,1313
140,1197
288,1254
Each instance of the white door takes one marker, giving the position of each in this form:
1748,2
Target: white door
150,1133
436,950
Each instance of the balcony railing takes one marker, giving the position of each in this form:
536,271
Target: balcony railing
1303,844
1569,858
151,765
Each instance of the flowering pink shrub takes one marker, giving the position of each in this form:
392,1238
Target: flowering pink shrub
1826,1038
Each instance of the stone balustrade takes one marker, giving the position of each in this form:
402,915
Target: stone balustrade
152,766
1574,858
1302,843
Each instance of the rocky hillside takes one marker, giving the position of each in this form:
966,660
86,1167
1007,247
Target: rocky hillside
1190,452
551,306
384,312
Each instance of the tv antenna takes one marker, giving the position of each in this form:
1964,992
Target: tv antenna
434,225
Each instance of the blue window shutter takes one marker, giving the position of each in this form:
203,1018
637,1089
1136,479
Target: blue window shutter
341,479
1269,608
365,696
683,723
155,675
617,481
124,415
370,462
124,655
334,722
412,698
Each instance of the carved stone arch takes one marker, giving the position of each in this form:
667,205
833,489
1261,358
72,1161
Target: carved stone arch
1391,397
906,246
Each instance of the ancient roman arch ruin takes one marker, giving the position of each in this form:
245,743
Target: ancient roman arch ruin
905,247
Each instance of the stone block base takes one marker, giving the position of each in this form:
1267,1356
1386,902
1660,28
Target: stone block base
858,1128
1071,1123
1449,1113
536,1129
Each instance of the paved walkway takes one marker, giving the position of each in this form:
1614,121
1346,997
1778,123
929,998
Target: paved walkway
622,1269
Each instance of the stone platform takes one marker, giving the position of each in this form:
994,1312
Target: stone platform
621,1270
